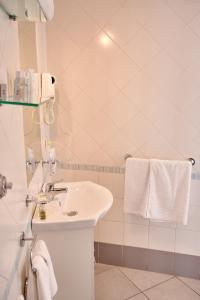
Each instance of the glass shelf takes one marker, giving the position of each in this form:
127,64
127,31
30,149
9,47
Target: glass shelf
18,103
11,101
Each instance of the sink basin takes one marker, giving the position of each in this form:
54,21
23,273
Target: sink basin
82,206
68,231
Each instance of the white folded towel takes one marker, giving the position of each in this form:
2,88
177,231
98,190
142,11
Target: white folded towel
46,281
136,186
158,189
169,190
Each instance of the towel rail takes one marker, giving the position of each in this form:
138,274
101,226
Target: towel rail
24,239
29,260
129,155
192,160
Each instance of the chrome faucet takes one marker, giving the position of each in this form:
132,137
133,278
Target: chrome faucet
48,193
49,188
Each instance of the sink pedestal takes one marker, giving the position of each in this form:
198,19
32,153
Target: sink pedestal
72,253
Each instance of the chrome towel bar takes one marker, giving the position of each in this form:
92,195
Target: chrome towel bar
192,160
129,155
29,264
24,239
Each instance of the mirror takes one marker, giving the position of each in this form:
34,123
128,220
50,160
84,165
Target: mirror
32,140
28,10
28,60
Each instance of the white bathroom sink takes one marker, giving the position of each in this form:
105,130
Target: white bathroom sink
82,206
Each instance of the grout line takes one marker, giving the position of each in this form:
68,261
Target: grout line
186,23
143,291
122,257
172,277
119,268
98,250
187,285
134,296
104,271
152,285
146,296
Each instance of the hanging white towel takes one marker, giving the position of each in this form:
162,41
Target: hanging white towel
169,189
32,293
158,189
46,281
43,278
136,186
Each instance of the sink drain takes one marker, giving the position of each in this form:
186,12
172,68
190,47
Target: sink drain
71,213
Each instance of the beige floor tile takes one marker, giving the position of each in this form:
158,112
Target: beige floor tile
138,297
144,279
193,283
99,268
172,289
113,285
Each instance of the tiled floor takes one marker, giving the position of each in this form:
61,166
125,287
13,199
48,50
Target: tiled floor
117,283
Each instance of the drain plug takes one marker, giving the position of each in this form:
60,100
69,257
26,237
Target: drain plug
71,213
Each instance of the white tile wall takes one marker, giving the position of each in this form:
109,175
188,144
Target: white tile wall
128,81
136,235
116,211
111,232
14,215
12,209
187,242
161,238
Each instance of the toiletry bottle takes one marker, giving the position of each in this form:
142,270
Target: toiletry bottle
42,211
30,85
22,87
26,88
3,91
17,86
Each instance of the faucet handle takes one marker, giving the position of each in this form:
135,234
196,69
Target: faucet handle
50,184
40,198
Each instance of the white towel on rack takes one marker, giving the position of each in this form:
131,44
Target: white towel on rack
136,186
32,293
46,281
169,190
158,189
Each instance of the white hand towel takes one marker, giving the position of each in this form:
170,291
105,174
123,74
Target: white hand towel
32,293
43,265
169,190
43,278
136,186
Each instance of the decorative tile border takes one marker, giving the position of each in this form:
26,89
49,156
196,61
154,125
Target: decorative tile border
148,259
103,169
93,168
